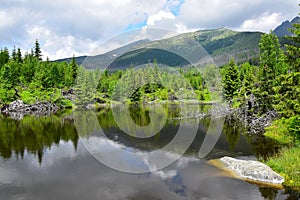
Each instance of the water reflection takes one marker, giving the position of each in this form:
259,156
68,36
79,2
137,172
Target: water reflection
34,134
55,165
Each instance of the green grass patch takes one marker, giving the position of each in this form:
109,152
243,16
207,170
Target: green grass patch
287,163
279,131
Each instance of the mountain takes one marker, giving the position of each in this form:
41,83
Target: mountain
283,29
195,48
105,59
218,44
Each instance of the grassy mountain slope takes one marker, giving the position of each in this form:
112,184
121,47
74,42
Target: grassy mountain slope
220,44
217,44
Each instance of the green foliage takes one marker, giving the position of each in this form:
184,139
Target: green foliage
31,80
293,49
279,131
294,128
85,87
4,56
287,93
231,80
271,63
248,77
151,83
287,163
271,55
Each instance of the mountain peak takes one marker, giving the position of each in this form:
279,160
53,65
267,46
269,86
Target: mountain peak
283,29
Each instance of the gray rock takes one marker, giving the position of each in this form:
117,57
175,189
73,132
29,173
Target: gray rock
17,109
252,170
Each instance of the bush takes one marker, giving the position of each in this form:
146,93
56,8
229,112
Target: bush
294,128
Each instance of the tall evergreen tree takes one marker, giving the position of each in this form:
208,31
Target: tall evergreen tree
293,49
14,53
271,62
19,56
74,68
4,56
37,50
231,81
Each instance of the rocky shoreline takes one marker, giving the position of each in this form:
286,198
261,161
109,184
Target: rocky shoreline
18,109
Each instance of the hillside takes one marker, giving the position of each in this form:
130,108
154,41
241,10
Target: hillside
189,48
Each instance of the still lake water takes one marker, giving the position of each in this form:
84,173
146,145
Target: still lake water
45,158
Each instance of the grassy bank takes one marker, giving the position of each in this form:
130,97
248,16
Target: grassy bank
287,161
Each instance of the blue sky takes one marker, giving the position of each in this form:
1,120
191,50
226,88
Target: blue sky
78,27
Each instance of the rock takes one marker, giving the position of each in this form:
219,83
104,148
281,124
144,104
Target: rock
250,170
17,109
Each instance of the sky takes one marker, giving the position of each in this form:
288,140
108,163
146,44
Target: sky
76,27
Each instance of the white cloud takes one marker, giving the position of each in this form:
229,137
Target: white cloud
68,24
57,46
231,13
264,22
159,16
72,27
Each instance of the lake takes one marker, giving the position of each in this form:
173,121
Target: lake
65,156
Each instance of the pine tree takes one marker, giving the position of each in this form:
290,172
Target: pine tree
271,62
74,68
293,49
4,56
14,54
37,50
231,81
19,56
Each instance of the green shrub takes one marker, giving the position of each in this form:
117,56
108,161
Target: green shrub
294,128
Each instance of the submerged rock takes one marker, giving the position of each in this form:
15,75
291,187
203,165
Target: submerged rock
249,170
17,109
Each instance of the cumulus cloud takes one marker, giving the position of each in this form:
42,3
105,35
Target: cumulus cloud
264,22
76,27
58,21
159,16
231,13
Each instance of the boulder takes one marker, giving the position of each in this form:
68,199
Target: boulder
250,170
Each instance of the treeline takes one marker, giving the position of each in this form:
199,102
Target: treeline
148,83
274,83
31,79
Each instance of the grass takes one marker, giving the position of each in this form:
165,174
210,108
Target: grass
287,161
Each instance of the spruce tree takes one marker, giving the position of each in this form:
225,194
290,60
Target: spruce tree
19,56
14,53
74,68
293,49
271,60
37,50
231,82
4,56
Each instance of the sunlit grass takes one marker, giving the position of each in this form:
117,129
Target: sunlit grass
279,131
287,163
